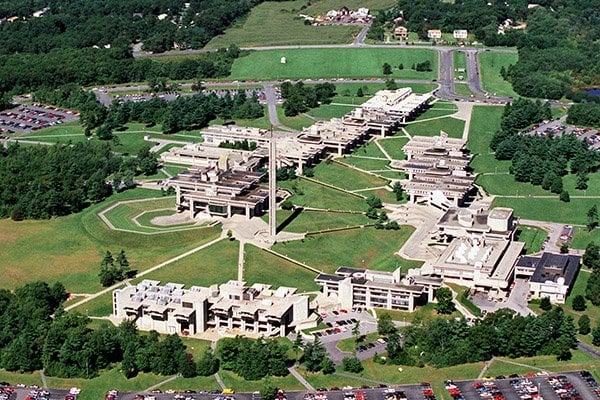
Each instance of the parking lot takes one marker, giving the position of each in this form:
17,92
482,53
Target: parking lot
557,128
28,118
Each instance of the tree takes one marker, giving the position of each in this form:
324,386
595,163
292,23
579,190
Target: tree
314,353
356,329
390,84
592,218
398,191
401,66
444,305
579,303
564,248
208,364
387,69
359,92
297,344
374,201
124,269
327,366
596,336
545,304
385,325
268,391
287,204
352,364
592,289
564,196
584,325
372,213
591,257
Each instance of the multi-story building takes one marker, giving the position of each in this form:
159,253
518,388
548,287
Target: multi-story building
232,308
550,275
460,34
434,34
218,192
334,135
354,287
401,32
437,170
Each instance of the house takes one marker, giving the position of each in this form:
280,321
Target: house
401,32
460,34
434,34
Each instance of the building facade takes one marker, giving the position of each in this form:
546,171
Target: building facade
230,308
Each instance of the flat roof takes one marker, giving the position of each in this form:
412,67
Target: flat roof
551,267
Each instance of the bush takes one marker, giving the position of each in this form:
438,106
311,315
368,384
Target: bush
352,364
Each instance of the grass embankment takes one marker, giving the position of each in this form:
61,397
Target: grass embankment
71,247
490,64
532,237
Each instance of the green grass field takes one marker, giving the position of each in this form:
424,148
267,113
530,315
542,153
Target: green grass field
393,147
101,306
454,127
285,26
583,237
552,210
345,177
331,63
263,267
532,236
346,92
214,264
579,361
313,221
505,184
369,149
460,61
438,109
238,384
123,215
462,89
310,194
368,164
297,122
73,246
485,121
490,65
328,111
367,247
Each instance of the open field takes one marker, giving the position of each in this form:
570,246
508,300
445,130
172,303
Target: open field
580,360
462,89
438,109
583,237
394,147
553,210
454,127
263,267
72,247
386,196
506,185
368,164
369,149
287,27
313,221
345,177
214,264
367,247
237,383
485,121
101,306
328,111
491,80
311,194
532,237
297,122
331,63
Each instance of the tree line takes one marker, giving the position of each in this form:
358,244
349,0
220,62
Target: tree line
299,97
586,114
541,160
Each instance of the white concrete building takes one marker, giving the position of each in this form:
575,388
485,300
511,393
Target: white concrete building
354,287
230,308
434,34
460,34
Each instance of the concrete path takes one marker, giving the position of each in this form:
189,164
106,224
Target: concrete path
219,380
143,273
159,384
43,378
593,351
343,374
485,368
301,379
241,262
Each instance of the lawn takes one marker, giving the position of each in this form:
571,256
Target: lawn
579,361
532,237
462,89
311,194
490,64
68,249
386,196
346,92
505,184
344,177
393,147
239,384
214,264
454,127
369,149
349,344
438,109
122,216
263,267
331,63
319,380
552,210
460,61
583,237
485,121
285,26
101,306
63,133
313,221
197,383
368,164
328,111
361,248
297,122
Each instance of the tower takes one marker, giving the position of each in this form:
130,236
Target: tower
272,187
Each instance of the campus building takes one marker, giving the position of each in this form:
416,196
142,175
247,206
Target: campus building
434,34
481,252
550,275
437,170
219,192
334,135
401,33
460,34
198,155
355,287
231,308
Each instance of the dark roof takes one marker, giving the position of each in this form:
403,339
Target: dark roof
349,270
550,267
330,278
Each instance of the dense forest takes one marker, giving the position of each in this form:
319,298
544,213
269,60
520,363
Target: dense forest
77,24
541,160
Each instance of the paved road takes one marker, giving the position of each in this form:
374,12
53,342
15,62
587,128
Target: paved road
321,46
593,351
446,74
359,40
